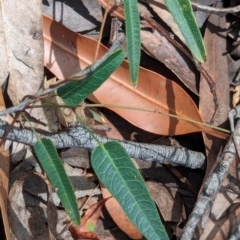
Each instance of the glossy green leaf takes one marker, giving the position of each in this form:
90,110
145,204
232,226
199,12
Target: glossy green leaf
116,171
183,14
133,37
52,165
75,92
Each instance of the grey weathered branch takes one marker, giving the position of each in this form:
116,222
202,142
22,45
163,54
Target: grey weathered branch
217,11
212,185
213,10
236,234
78,136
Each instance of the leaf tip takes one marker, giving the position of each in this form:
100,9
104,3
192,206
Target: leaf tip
134,85
201,57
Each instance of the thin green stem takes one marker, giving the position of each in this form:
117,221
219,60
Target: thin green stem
141,109
33,129
158,111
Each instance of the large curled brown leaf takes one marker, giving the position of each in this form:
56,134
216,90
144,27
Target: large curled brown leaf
66,53
88,222
158,47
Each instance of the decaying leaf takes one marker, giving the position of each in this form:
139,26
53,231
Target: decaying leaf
119,216
223,228
18,213
22,42
3,49
154,92
88,222
169,202
217,67
78,16
159,47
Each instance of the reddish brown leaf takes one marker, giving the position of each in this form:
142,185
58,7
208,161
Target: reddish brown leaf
119,216
4,180
88,222
67,52
91,216
77,234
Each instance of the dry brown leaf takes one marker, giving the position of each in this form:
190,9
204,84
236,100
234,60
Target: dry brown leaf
169,202
3,50
78,16
76,157
18,214
67,52
36,222
217,67
22,31
27,217
82,186
224,227
161,49
119,216
21,28
91,216
88,221
4,181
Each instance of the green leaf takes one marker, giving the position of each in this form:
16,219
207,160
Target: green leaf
53,167
183,14
133,37
116,171
74,93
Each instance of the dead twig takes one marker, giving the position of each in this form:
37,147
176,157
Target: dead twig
217,11
78,136
234,188
212,185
